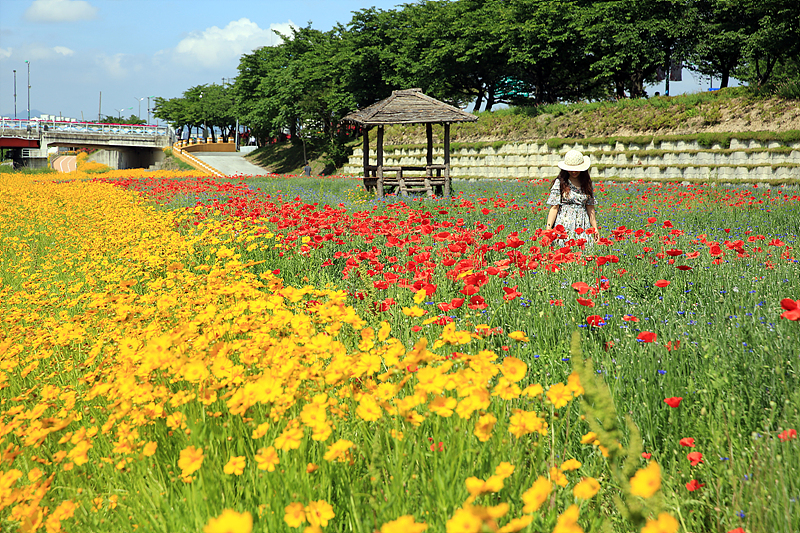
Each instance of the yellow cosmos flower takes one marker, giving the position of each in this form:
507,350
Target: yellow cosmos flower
504,469
570,464
443,406
338,450
235,465
229,521
516,524
318,513
519,336
266,459
664,524
514,369
647,480
464,521
150,449
534,497
260,431
558,477
484,427
289,439
568,521
294,514
190,461
368,409
586,489
590,438
414,312
558,395
525,422
404,524
574,384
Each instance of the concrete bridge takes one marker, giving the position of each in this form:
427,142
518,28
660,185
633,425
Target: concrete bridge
117,145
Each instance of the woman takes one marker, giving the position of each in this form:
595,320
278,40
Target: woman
572,197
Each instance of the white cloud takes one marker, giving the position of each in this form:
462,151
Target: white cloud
5,53
221,47
113,65
63,50
60,11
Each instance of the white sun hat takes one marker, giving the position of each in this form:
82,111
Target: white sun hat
574,161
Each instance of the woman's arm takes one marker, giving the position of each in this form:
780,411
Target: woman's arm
593,221
551,216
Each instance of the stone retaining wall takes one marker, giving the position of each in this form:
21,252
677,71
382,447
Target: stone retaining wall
744,160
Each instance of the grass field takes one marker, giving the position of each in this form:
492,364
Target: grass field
184,354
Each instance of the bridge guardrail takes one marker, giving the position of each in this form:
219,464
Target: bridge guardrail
38,126
189,159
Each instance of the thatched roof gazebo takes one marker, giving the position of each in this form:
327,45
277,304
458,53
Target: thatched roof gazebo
408,106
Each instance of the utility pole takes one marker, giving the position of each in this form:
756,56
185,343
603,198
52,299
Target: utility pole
100,108
15,94
29,90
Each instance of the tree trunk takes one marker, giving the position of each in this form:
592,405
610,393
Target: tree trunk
723,82
637,84
479,100
490,98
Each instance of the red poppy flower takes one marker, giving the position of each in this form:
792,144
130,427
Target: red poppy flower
595,320
674,253
673,402
455,303
646,336
683,267
558,303
511,293
630,318
693,485
695,458
687,442
469,290
651,220
586,302
670,346
580,286
477,302
737,530
792,308
787,434
662,283
647,455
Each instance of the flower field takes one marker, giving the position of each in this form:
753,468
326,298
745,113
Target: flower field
182,353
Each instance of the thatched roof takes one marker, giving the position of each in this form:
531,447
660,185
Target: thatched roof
409,106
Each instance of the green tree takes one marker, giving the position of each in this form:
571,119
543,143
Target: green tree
721,31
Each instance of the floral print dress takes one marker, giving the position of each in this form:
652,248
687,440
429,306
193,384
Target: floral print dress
573,213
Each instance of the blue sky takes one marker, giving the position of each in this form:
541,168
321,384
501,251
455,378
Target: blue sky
132,49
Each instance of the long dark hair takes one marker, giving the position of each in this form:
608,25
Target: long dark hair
583,178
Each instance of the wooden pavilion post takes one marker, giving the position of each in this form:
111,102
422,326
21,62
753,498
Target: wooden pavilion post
379,156
428,158
447,160
365,149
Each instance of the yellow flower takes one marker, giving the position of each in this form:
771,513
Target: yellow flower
516,524
368,409
443,406
558,395
664,524
289,439
295,514
647,480
404,524
558,477
463,521
570,464
190,461
484,426
533,390
149,448
504,469
524,422
318,513
338,450
586,489
267,458
519,336
260,431
514,369
574,384
568,521
414,312
235,465
590,438
534,497
230,522
419,296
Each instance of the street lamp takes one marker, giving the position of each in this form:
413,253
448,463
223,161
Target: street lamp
119,113
139,116
148,108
